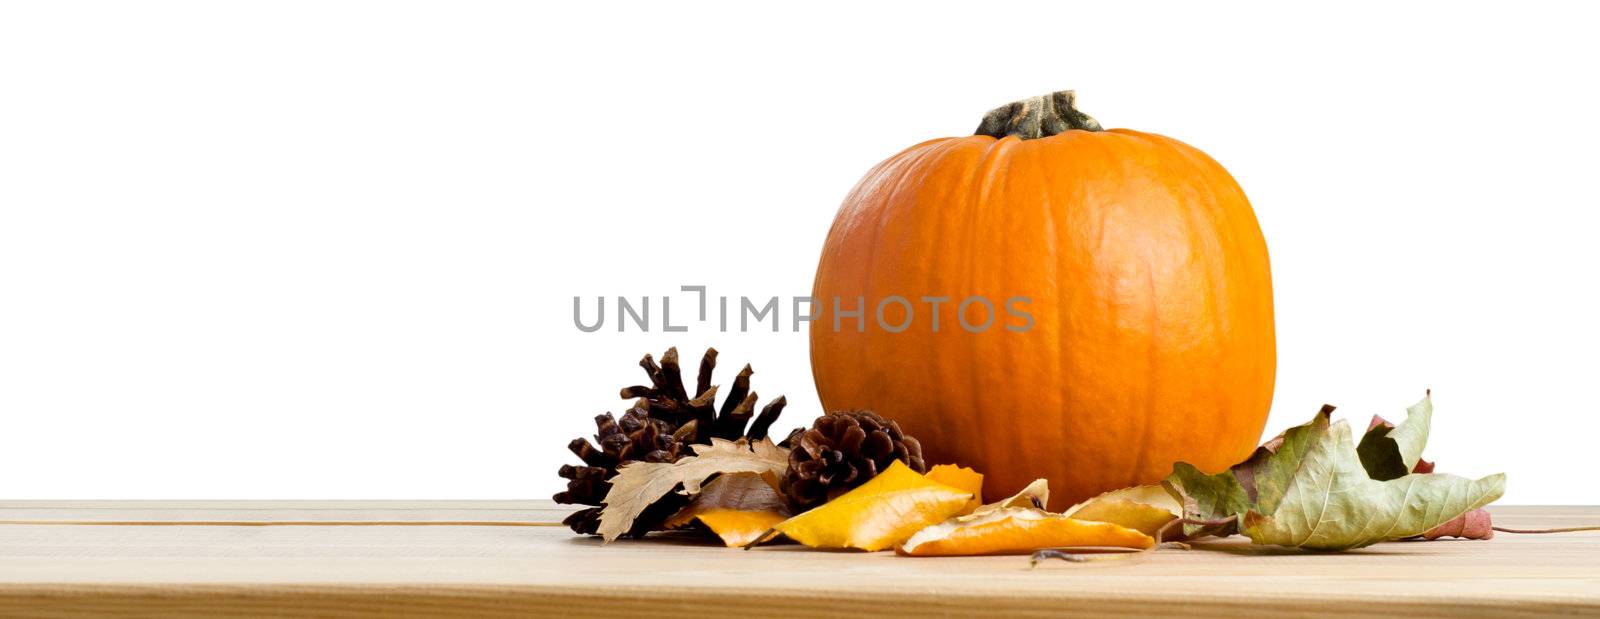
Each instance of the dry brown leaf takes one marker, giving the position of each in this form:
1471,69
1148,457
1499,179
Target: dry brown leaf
1143,508
737,507
878,514
1018,530
960,477
640,484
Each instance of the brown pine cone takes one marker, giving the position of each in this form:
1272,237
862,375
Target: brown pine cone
843,450
660,426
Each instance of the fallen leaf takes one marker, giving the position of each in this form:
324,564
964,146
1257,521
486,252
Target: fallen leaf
637,485
878,514
1153,495
737,507
1036,495
1390,451
1207,497
1308,489
1018,530
1475,524
1141,517
1143,508
962,478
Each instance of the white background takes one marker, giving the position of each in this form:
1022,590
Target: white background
318,250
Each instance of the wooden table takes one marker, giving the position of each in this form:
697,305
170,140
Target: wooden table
147,558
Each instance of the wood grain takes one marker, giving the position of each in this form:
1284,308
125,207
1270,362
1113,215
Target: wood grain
360,569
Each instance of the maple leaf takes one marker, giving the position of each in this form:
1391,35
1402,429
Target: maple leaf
638,485
878,514
1308,489
737,507
1390,451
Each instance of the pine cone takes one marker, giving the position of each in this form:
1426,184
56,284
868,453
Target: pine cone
843,450
659,427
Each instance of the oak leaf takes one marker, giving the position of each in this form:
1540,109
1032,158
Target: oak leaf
637,485
737,507
878,514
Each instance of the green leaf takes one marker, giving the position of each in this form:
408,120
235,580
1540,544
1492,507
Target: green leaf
1333,505
1392,451
1271,470
1307,488
1206,497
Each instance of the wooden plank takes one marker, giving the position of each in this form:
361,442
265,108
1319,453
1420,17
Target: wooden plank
372,570
283,511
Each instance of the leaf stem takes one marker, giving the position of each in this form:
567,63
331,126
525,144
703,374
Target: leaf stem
1540,531
1081,557
1167,528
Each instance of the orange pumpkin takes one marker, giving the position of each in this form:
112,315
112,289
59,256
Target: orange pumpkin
1123,279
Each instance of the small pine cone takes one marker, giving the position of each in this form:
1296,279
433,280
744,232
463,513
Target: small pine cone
843,450
660,427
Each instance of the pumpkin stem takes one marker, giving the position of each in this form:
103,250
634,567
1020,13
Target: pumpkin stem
1036,117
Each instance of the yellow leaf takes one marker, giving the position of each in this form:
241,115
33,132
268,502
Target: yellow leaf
638,485
737,507
1153,495
1144,508
738,528
1146,519
961,478
1035,495
878,514
1018,531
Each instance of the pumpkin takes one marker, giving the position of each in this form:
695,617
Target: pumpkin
1122,285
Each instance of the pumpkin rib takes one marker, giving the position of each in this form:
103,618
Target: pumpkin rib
1218,181
1121,144
846,225
1110,149
1179,190
1214,212
890,183
903,171
991,181
1057,353
934,276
